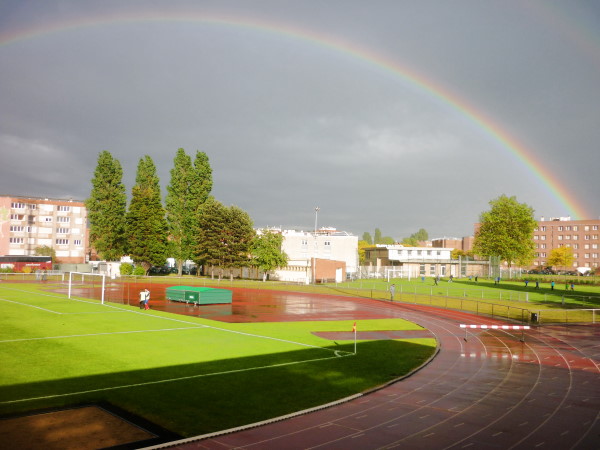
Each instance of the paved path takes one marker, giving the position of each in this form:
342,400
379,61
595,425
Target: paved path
491,391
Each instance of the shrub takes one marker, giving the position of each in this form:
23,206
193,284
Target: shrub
139,271
126,269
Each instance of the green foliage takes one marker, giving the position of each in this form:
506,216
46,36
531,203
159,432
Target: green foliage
561,257
266,251
45,250
414,239
146,223
187,192
126,269
225,236
367,238
410,242
506,231
361,251
106,208
139,271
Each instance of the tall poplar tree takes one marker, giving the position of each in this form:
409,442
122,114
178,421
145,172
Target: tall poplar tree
107,207
506,231
186,194
146,223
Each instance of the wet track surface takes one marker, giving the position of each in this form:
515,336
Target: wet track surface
488,391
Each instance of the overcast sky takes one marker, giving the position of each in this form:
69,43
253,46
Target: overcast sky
305,103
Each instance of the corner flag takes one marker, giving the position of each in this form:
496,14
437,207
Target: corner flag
354,327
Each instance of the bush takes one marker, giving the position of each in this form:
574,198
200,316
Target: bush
126,269
6,270
139,271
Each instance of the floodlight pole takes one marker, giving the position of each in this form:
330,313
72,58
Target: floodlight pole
316,213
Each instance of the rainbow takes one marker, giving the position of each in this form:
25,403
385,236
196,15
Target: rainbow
549,182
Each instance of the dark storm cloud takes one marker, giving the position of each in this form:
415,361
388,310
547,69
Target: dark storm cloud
290,124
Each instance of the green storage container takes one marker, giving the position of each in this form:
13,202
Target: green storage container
198,295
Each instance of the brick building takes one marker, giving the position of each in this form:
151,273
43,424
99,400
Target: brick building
583,236
27,223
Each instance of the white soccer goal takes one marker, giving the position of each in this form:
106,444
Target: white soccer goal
87,279
396,273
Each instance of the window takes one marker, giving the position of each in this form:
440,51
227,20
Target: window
536,237
543,228
568,236
595,236
568,228
62,242
77,242
560,228
575,237
586,228
586,255
63,208
431,270
560,238
586,246
422,269
17,205
47,219
32,206
65,219
16,228
595,255
575,228
16,217
543,246
543,238
575,245
15,240
575,255
595,227
587,237
594,245
62,231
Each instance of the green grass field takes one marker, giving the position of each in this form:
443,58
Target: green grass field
187,374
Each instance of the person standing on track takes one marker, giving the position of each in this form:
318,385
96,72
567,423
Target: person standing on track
147,299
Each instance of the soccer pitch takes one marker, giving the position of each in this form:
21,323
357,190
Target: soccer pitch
187,374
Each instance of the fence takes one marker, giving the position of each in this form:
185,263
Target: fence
570,308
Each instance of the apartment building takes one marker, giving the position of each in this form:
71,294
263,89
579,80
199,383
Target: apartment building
324,255
583,236
27,223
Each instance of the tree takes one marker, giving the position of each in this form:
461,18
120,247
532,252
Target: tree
146,223
377,238
421,235
561,257
367,238
225,236
45,250
266,252
107,206
362,245
410,242
506,231
187,192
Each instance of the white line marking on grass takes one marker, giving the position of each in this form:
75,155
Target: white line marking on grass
100,334
168,380
31,306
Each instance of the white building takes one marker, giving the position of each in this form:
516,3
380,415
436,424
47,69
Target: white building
309,254
27,223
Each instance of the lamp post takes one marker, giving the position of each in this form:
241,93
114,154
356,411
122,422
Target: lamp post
316,213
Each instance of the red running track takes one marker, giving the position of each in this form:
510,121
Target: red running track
491,391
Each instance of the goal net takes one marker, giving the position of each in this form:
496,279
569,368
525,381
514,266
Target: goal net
396,273
88,285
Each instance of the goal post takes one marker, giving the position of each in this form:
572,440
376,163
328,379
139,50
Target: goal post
396,273
83,278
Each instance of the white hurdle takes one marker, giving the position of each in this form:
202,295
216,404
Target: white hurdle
497,327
